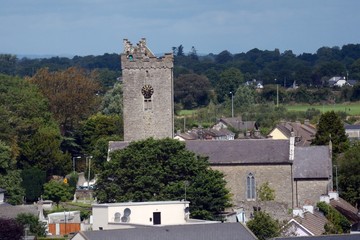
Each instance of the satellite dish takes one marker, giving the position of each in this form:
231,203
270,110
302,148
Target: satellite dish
127,212
186,210
117,217
125,219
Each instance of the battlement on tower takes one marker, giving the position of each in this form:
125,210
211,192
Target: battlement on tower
140,56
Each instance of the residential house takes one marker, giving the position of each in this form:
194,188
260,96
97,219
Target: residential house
352,82
337,81
352,131
11,211
2,195
255,83
237,124
210,231
205,134
303,133
322,237
131,214
306,222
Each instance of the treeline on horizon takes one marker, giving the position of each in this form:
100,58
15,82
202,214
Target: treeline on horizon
263,65
216,76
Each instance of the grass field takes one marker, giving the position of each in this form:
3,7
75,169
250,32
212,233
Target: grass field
352,109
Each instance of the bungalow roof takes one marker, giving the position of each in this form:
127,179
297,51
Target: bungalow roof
210,231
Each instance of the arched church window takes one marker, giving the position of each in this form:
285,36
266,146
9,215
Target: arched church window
250,187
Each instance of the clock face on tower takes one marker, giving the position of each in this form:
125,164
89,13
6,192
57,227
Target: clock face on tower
147,91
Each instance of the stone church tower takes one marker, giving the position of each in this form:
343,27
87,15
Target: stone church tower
147,93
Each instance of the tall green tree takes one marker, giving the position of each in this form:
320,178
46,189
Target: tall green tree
264,226
71,94
112,101
6,161
161,170
23,111
230,80
245,98
33,180
11,182
57,191
37,228
192,90
43,151
330,127
349,174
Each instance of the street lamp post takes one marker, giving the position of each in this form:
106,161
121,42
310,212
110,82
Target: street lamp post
73,158
88,185
232,104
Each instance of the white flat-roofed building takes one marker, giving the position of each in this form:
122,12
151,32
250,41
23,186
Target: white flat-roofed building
132,214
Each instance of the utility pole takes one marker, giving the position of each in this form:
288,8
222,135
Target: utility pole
277,95
232,104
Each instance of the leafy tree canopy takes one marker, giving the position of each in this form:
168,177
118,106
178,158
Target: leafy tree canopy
330,127
71,94
192,90
36,227
338,223
152,170
11,182
57,191
263,226
349,174
33,181
11,229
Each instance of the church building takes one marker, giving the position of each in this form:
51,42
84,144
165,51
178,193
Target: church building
299,175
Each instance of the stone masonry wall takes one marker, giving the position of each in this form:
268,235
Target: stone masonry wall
309,192
278,176
157,72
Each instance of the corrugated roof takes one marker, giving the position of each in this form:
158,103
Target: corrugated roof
312,162
212,231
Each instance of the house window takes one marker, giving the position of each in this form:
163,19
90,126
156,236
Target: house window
250,187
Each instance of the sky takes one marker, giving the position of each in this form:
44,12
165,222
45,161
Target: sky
95,27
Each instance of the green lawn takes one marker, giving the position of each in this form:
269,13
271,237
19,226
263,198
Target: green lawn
350,108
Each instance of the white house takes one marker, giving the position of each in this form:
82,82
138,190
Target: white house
132,214
2,193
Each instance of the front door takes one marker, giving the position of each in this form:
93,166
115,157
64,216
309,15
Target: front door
157,218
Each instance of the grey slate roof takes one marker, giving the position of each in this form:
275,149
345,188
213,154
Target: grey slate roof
247,151
312,162
324,237
212,231
351,127
10,211
314,222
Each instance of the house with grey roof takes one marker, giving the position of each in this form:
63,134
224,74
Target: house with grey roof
212,231
304,133
322,237
237,124
352,131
